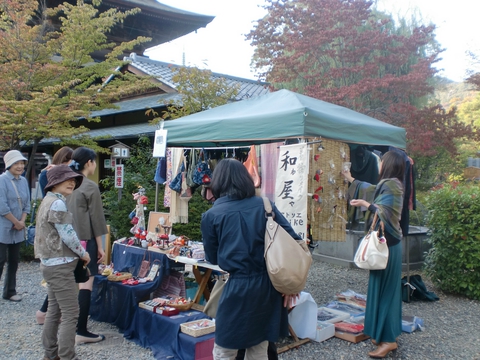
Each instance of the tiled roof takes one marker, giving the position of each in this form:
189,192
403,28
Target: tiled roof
125,131
154,8
145,102
163,72
153,4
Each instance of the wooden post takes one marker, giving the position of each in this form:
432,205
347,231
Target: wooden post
108,247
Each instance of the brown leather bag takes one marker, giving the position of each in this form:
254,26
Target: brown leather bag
145,267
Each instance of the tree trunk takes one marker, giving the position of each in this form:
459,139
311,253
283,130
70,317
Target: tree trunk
31,161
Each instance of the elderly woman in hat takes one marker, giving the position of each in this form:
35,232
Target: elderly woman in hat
14,207
58,248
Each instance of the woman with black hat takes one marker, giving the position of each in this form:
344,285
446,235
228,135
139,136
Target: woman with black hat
59,250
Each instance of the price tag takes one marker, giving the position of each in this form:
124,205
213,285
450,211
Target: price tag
188,268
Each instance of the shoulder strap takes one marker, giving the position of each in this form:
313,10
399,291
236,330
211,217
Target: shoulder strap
376,219
268,207
32,213
18,195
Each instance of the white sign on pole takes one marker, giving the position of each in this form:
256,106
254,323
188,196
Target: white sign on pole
291,186
160,144
119,176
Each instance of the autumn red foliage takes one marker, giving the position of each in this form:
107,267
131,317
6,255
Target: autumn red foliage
347,53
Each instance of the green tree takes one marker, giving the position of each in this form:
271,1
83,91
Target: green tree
199,91
48,79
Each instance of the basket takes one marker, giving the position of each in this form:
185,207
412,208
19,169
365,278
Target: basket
191,328
119,276
182,307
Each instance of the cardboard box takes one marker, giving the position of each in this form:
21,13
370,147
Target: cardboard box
325,330
354,338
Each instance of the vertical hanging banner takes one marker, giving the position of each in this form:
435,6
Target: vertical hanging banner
119,176
291,186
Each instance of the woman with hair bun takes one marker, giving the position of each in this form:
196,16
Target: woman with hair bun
383,315
89,222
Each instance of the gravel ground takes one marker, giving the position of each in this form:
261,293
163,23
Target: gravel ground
451,324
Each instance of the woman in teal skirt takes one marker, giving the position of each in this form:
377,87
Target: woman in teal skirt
383,316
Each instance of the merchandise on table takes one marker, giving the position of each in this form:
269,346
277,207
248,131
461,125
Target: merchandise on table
119,276
171,245
174,301
155,307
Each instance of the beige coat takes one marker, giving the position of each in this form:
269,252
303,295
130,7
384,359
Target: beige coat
86,205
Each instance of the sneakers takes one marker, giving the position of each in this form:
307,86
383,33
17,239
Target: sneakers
89,338
40,317
15,298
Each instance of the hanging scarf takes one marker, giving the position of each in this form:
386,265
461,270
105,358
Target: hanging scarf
389,203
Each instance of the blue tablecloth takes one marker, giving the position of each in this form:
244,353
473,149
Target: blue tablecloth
162,334
116,303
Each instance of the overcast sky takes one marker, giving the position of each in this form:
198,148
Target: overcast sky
222,48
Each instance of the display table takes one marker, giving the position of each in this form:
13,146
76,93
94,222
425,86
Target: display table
162,335
116,303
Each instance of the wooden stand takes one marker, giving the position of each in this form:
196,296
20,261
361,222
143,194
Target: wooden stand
202,281
296,343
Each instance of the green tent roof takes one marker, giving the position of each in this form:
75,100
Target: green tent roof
278,116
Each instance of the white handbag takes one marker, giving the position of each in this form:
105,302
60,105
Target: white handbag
372,253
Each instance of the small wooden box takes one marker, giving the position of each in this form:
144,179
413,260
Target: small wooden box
354,338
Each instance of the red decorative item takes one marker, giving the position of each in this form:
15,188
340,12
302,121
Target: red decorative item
206,179
317,177
143,200
319,188
315,197
316,157
134,220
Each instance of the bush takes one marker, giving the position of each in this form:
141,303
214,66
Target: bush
26,252
453,262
